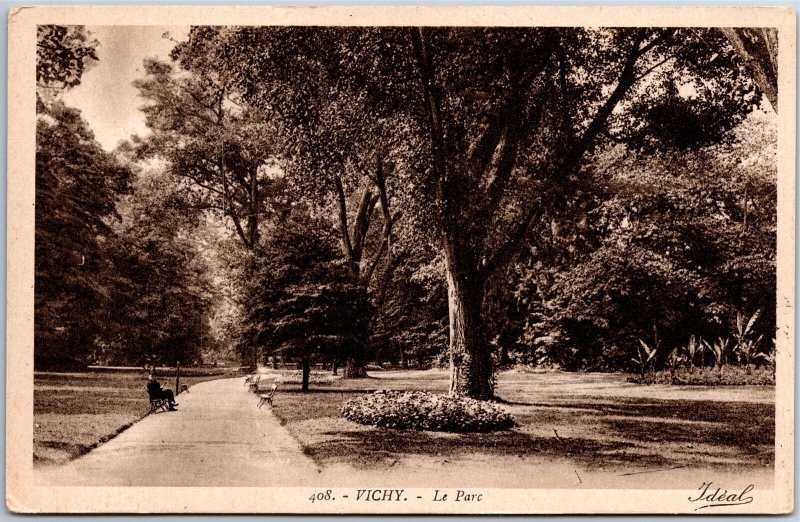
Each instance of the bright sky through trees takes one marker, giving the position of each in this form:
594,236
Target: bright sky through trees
106,96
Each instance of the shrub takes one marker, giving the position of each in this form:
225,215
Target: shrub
414,410
296,377
709,376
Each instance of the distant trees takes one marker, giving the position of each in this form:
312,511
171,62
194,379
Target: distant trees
163,298
343,149
304,302
116,274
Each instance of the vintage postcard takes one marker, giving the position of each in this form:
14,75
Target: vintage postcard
401,260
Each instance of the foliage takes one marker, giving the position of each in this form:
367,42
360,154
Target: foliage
299,295
163,297
417,410
693,348
719,349
77,186
411,312
646,355
63,53
681,240
707,376
558,190
758,49
222,157
118,276
747,344
480,168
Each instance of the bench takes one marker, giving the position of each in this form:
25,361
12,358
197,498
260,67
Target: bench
267,397
252,381
157,403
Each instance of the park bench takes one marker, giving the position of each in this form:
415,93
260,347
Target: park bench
157,403
267,397
252,381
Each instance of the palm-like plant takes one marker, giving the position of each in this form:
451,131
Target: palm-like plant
692,348
645,356
719,349
769,356
746,344
673,361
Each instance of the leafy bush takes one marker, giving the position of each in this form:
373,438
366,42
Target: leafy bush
665,239
710,376
414,410
296,377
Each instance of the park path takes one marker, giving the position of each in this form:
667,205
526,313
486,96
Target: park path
218,437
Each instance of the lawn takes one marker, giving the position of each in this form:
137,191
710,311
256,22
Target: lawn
595,421
74,412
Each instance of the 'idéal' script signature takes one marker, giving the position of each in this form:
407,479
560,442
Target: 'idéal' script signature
710,497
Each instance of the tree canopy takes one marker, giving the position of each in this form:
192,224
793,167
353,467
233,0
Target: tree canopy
473,196
503,121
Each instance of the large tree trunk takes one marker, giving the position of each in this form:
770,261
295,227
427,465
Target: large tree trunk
355,369
471,369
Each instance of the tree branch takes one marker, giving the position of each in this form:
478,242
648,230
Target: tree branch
626,80
388,220
387,275
653,68
758,66
361,223
234,215
345,235
506,253
385,243
432,107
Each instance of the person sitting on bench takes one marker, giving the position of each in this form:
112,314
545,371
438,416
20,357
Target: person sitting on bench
157,392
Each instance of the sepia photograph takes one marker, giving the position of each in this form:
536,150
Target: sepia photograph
448,261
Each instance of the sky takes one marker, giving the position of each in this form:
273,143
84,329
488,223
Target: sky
106,96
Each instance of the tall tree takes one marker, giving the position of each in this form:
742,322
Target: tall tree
225,155
221,152
302,290
162,298
555,96
342,141
77,187
501,122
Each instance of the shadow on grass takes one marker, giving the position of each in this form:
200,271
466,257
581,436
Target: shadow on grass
737,424
627,432
365,449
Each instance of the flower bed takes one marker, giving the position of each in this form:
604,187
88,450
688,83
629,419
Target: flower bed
414,410
296,377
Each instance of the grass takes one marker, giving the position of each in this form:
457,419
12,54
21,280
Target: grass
74,412
599,420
